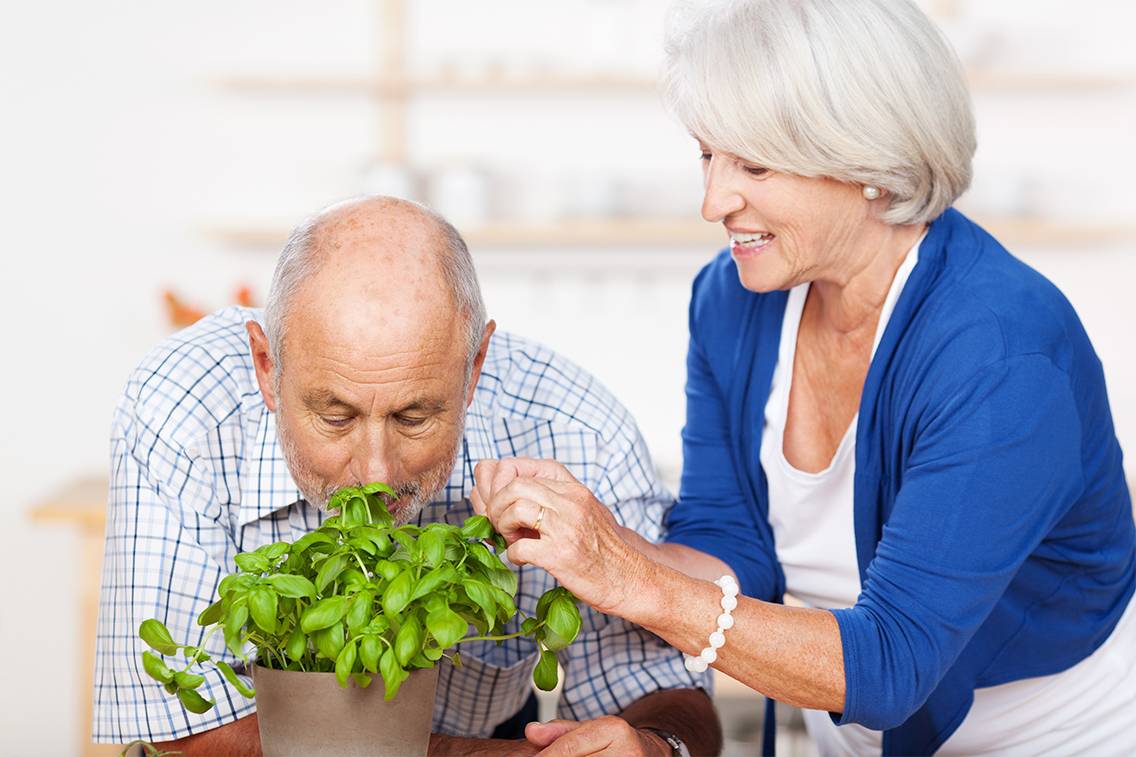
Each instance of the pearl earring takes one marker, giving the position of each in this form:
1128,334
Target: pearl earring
871,193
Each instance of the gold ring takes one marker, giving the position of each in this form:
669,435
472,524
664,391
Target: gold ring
539,518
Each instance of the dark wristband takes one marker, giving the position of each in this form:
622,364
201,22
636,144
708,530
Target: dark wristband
678,749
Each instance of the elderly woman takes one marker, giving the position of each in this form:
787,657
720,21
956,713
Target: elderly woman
889,418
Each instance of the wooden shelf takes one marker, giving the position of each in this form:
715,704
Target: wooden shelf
585,233
641,232
1045,233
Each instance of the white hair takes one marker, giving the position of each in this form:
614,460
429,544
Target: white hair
304,254
863,91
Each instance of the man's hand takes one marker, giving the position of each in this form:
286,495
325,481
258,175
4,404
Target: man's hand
608,735
453,746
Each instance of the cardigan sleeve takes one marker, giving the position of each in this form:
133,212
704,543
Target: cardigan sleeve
716,512
992,469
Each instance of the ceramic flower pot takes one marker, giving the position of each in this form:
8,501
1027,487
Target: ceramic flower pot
309,714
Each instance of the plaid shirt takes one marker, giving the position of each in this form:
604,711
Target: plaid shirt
197,476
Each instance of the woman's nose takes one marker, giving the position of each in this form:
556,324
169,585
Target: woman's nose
721,197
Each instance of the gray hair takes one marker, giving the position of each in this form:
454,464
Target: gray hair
862,91
304,254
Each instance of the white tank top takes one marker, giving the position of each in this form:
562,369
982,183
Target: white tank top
1087,709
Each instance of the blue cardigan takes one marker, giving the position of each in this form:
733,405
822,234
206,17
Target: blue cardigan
993,524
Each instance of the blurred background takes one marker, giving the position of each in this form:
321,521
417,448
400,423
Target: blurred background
154,155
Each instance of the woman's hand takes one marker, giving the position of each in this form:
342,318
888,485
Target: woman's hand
550,519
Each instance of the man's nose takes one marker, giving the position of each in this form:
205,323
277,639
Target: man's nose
375,459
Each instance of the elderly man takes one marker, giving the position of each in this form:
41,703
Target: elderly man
373,361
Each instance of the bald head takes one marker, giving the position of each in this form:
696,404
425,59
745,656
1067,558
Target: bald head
374,261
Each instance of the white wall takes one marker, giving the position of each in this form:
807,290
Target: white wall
118,150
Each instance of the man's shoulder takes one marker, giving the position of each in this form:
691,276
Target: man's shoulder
523,379
199,375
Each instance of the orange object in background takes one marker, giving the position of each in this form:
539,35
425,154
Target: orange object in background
182,314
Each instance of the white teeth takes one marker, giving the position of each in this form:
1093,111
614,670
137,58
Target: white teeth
750,239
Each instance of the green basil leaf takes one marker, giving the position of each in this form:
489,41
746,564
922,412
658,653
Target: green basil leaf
485,558
157,636
477,527
563,618
186,680
378,486
408,640
362,679
374,535
194,702
322,614
398,593
262,608
211,614
528,625
370,649
447,627
156,668
297,645
251,562
292,586
329,641
232,677
330,570
504,579
429,582
545,675
433,547
233,629
344,663
456,660
551,639
403,536
356,512
388,569
505,607
307,540
361,544
275,550
359,611
353,579
544,601
392,673
378,625
479,593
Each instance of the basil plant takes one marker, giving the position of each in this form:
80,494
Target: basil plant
359,597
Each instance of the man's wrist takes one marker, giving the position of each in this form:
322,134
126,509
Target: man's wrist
673,743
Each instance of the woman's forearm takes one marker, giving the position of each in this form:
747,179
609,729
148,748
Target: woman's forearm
682,558
791,654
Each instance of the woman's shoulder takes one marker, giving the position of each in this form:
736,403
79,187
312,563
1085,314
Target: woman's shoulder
984,289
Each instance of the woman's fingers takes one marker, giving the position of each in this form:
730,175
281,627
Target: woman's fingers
577,540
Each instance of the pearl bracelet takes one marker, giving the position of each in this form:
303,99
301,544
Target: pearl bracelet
725,621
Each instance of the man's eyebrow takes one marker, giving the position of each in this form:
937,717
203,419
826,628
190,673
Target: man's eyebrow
322,398
427,405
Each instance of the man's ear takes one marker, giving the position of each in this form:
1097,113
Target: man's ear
262,362
479,360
